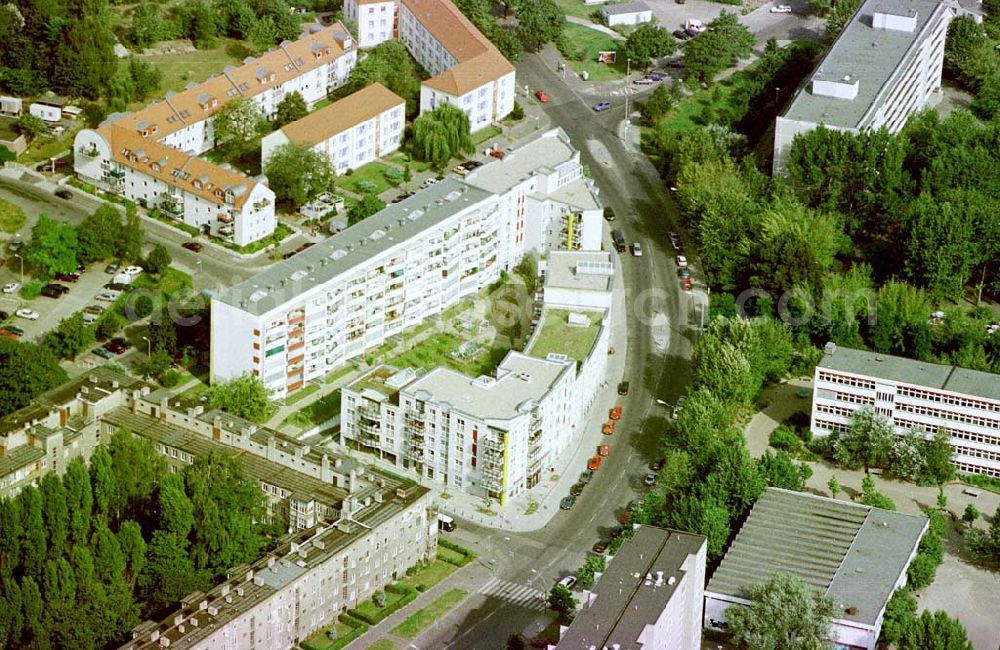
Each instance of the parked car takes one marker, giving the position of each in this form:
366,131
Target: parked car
684,272
11,287
645,81
460,170
54,290
657,464
577,489
63,193
781,9
655,75
600,548
567,582
623,388
609,214
687,284
6,334
542,96
674,63
695,24
617,531
681,34
567,503
96,310
637,249
497,153
103,352
615,413
192,246
117,286
586,476
117,345
111,269
603,449
28,314
608,428
681,262
649,480
67,277
623,520
132,270
15,329
472,164
691,33
602,106
594,463
15,245
106,296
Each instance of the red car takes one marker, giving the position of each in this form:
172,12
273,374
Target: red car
497,153
542,97
67,277
686,284
608,428
616,413
594,463
602,449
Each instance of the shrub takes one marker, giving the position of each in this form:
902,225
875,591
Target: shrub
784,438
170,378
517,113
31,290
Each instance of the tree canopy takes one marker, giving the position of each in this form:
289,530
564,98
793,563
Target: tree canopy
298,174
724,40
244,396
649,41
238,126
785,615
53,246
441,134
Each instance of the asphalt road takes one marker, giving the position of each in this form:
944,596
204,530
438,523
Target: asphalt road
659,347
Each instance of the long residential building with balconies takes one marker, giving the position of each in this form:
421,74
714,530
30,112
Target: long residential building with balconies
302,318
150,156
913,395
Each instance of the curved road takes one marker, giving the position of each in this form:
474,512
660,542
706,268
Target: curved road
659,347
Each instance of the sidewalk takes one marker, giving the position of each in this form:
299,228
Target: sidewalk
576,20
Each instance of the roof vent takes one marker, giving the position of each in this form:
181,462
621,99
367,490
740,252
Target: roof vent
851,611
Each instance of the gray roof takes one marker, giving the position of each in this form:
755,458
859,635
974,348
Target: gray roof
870,56
625,603
850,552
540,153
340,253
626,8
520,378
561,271
910,371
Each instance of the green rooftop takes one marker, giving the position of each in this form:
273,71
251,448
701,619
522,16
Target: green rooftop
557,335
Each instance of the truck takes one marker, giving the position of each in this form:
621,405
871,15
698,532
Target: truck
445,523
619,240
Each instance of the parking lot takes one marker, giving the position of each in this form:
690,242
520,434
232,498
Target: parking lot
51,310
798,25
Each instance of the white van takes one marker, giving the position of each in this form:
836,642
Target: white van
445,523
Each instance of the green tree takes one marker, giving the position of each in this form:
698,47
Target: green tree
780,471
31,125
441,134
592,565
98,234
69,338
133,548
36,543
53,246
158,259
658,104
84,58
867,444
839,16
986,104
129,244
263,35
934,630
937,452
176,513
899,616
137,468
56,515
11,536
146,78
539,22
872,497
942,250
244,396
794,248
366,207
298,174
785,615
148,25
79,501
102,481
648,42
562,602
834,486
906,458
197,21
26,371
391,65
238,126
291,108
725,371
968,58
169,573
971,514
724,40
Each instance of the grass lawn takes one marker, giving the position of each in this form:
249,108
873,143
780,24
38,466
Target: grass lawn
322,104
182,68
449,556
437,350
413,625
488,133
12,217
320,641
416,166
300,395
334,376
44,147
373,172
170,281
576,8
383,644
370,609
431,574
316,413
557,335
195,391
586,43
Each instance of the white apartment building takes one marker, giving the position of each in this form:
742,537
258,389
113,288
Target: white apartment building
377,20
301,318
308,580
214,199
926,397
466,69
150,156
350,132
884,67
650,596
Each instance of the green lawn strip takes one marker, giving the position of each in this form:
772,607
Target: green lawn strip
383,644
334,376
576,8
416,166
557,335
422,618
347,629
300,395
44,147
316,413
488,133
451,557
581,46
373,172
430,574
181,68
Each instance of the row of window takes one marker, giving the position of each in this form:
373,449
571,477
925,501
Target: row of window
954,416
946,398
988,454
844,380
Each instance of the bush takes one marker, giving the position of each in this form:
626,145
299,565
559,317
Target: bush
170,378
930,552
517,113
784,438
407,593
32,290
467,555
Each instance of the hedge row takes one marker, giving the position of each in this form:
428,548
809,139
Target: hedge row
467,555
357,629
408,594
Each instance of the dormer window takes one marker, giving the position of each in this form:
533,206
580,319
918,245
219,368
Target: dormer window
156,167
197,184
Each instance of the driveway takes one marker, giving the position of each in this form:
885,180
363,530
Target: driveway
798,25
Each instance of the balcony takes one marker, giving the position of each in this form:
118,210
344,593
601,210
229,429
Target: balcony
225,218
90,152
116,173
172,205
260,205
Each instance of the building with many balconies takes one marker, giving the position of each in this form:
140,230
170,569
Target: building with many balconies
913,396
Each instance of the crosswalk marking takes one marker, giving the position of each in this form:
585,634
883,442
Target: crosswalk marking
514,593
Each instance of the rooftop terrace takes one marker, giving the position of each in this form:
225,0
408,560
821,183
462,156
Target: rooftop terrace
557,335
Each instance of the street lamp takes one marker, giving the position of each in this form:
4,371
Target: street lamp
149,347
18,256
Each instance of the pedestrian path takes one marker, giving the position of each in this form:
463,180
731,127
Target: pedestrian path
515,594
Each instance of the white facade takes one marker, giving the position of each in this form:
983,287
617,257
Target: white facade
632,13
485,104
46,112
912,395
884,67
375,20
218,202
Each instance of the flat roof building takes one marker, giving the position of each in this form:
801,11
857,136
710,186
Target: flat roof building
912,395
853,553
883,67
650,596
